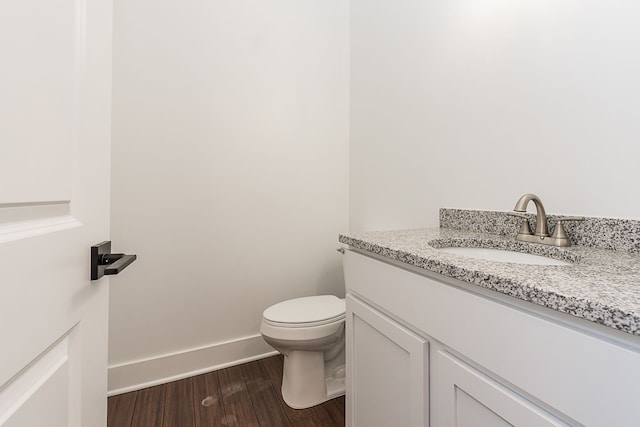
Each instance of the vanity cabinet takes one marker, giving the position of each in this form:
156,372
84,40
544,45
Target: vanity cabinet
452,354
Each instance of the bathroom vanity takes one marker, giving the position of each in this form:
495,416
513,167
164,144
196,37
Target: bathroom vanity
439,339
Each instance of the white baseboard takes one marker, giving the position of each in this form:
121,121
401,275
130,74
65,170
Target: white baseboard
162,369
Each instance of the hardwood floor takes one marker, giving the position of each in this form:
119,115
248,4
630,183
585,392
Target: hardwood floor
247,395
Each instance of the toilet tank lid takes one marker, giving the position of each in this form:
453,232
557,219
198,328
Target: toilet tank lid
306,309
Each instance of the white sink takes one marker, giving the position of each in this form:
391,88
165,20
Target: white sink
501,255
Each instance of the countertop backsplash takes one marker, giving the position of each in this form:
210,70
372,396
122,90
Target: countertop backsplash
602,233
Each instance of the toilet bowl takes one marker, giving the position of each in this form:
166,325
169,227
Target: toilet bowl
309,332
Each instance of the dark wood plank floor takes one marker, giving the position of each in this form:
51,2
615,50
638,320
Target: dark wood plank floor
247,395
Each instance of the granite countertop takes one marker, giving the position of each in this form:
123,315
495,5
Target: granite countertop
599,285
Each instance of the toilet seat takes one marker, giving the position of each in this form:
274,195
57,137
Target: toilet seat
306,312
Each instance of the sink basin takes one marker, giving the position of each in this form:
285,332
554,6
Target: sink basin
500,255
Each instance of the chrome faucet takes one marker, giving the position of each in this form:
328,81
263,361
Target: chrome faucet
541,234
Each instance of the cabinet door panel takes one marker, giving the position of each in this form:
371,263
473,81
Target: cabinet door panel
472,413
468,398
387,371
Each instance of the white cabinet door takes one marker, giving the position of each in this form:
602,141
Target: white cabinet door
464,397
55,91
387,371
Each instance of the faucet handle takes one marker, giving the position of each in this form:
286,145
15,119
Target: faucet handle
570,218
559,232
525,228
518,214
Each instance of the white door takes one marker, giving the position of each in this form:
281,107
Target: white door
55,88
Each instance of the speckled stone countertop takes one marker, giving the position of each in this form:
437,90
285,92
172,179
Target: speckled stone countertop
599,285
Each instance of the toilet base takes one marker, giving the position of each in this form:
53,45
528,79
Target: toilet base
308,380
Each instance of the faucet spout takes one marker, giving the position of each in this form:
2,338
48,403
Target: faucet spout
541,215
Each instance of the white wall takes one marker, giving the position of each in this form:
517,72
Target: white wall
470,104
230,174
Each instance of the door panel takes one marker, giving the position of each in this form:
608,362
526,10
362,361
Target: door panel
387,371
44,387
55,89
38,88
471,413
468,398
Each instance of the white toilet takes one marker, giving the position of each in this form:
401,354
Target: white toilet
309,332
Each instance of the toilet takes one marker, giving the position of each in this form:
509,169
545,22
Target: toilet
309,332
